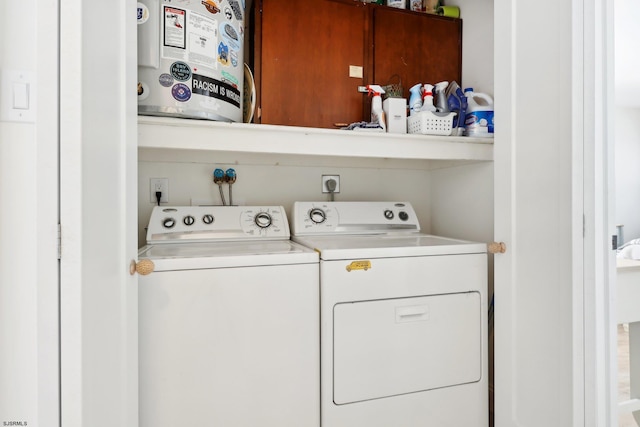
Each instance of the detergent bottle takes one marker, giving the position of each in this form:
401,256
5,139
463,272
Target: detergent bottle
427,98
415,98
479,119
377,114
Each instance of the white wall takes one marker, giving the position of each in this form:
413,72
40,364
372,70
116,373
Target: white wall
28,221
477,43
18,292
627,172
280,183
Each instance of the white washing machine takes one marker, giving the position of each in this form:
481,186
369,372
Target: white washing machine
403,318
228,321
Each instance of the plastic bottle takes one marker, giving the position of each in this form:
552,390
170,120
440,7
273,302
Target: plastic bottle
440,94
415,99
479,119
427,98
377,114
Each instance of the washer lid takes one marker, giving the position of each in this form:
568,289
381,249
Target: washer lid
388,246
189,256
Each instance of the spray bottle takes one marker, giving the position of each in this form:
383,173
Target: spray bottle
427,98
377,114
441,97
415,98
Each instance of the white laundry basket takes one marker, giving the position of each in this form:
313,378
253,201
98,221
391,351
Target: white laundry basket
430,123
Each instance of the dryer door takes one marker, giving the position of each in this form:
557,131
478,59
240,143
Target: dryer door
390,347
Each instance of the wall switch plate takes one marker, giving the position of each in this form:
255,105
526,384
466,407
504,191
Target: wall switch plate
326,179
159,184
17,96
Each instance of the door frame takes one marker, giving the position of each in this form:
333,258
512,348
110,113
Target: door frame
587,392
98,213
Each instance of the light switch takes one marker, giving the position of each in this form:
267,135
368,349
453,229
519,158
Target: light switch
18,96
21,96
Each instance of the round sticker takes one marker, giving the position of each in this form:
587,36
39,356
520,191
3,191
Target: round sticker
180,71
143,91
143,13
181,92
234,58
165,80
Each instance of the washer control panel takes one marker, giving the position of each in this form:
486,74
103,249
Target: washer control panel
314,218
217,223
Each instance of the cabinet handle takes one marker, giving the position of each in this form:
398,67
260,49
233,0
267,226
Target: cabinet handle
497,248
143,267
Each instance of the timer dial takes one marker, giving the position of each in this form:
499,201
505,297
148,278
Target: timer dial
263,220
317,215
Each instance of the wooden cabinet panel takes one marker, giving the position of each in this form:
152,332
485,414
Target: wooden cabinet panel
305,49
420,48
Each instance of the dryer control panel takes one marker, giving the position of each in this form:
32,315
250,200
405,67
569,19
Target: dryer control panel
317,218
176,224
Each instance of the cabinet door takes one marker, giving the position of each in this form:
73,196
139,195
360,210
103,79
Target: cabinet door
418,47
303,53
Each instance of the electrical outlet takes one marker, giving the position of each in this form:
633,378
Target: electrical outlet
327,178
159,184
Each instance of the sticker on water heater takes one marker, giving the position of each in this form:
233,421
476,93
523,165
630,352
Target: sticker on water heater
174,27
180,71
143,91
227,13
237,10
181,92
143,13
206,86
165,80
211,6
223,54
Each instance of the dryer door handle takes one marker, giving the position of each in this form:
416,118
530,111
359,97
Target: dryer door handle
414,313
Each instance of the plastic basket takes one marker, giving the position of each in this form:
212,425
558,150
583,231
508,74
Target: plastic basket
430,123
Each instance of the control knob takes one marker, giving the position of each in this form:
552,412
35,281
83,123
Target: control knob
388,213
207,219
168,222
403,215
263,220
317,215
188,220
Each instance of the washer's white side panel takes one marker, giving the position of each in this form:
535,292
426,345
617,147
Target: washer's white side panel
230,347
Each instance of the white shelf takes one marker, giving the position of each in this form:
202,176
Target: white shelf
202,135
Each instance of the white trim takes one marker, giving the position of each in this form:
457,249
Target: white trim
48,273
595,58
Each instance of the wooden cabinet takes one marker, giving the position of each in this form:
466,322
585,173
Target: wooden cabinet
311,57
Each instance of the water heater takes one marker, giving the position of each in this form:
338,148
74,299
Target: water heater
190,58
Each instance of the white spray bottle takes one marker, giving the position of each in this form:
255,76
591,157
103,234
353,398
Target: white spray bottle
441,97
415,99
377,114
427,98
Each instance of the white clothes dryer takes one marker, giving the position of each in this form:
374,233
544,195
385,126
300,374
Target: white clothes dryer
228,321
403,318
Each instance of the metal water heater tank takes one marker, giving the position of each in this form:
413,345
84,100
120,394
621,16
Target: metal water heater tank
190,58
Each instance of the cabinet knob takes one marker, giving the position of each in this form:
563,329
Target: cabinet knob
143,267
497,248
